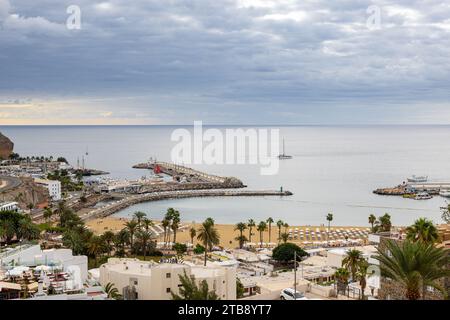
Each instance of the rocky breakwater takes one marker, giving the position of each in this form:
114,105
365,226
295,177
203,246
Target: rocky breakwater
6,147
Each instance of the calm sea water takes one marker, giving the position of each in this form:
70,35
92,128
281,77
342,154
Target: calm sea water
334,169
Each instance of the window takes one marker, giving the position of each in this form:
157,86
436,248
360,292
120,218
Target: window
168,275
168,290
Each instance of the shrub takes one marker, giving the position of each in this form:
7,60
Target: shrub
285,252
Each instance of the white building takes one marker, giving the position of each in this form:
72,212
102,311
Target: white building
33,255
9,206
53,187
145,280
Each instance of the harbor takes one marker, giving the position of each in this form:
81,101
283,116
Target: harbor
418,188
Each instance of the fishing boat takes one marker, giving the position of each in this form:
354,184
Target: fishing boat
415,178
423,196
445,193
284,156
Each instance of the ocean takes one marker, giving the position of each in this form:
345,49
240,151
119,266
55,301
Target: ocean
333,169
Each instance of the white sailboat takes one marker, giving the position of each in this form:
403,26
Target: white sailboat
284,156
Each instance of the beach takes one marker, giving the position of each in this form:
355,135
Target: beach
226,231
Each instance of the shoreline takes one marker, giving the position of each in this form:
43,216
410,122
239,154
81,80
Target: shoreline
226,231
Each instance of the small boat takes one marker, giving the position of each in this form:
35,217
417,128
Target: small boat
445,193
423,196
284,156
415,178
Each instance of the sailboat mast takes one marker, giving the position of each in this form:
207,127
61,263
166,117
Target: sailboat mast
283,147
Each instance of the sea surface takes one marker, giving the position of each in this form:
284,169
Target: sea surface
333,169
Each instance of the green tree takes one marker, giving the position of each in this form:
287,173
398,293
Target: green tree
385,223
329,219
147,223
144,238
241,226
139,216
422,230
269,225
262,226
285,237
132,228
285,252
48,213
189,290
180,248
286,226
415,265
351,261
279,225
250,224
341,275
165,224
192,234
361,276
372,220
95,247
175,224
208,235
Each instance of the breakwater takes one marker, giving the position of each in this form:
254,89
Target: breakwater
179,172
164,195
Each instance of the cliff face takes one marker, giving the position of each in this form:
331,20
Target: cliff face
6,147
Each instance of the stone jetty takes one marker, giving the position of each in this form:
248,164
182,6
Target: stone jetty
179,172
164,195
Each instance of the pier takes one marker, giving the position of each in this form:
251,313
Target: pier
164,195
408,188
190,175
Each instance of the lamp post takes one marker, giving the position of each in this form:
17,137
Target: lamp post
295,275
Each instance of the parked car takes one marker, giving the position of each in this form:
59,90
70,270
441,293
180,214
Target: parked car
290,294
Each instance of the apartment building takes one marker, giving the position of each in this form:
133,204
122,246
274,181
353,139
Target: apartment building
53,187
146,280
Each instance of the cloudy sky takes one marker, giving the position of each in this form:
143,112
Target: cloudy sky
225,62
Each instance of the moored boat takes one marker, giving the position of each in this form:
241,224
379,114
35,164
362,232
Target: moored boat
445,193
415,178
423,196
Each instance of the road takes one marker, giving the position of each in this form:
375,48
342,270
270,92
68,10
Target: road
8,183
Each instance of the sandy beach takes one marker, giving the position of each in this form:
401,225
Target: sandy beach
227,232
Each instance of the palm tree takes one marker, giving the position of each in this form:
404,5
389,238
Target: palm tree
165,223
132,227
341,276
352,260
189,290
108,237
415,265
208,235
175,225
251,224
262,226
192,234
284,237
372,220
147,223
329,219
95,247
279,225
241,226
361,275
144,237
112,291
139,215
422,230
286,226
385,222
269,222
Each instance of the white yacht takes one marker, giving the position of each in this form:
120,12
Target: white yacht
284,156
445,193
423,196
415,178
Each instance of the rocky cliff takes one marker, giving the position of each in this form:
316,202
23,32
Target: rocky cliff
6,147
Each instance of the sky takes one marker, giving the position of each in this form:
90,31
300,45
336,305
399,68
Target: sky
225,62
